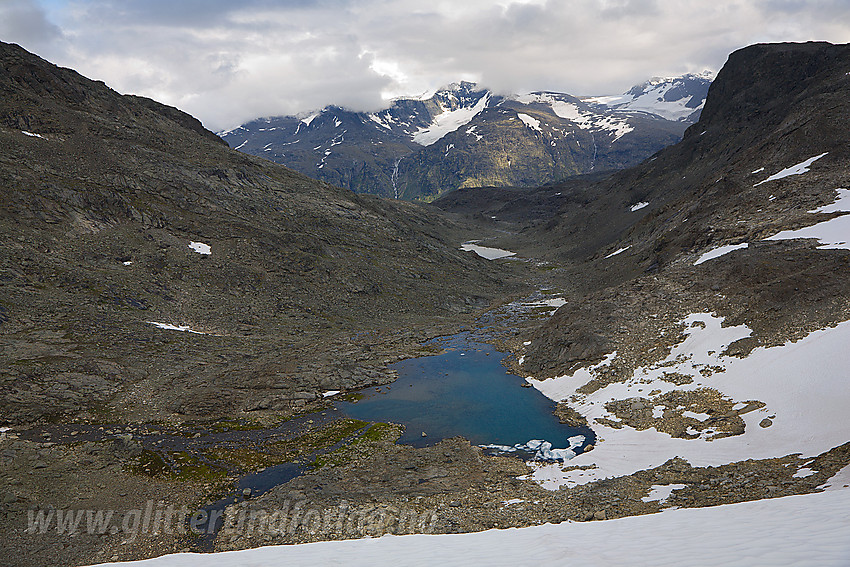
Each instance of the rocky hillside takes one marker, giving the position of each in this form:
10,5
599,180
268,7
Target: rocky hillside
123,221
463,136
770,146
706,297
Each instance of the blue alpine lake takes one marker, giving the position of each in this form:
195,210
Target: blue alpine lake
465,391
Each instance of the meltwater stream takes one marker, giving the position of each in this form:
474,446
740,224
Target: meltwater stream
465,391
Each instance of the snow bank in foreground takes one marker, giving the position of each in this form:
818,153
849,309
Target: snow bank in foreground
804,386
793,531
485,252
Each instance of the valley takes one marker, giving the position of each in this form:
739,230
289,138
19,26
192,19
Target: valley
188,327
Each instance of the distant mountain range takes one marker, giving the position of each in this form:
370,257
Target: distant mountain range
465,136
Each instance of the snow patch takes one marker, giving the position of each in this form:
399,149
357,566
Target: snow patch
799,169
620,251
168,327
720,251
471,132
661,492
841,204
587,120
486,252
530,121
200,248
803,473
309,119
838,481
832,234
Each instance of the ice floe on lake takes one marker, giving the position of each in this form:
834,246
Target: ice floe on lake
542,450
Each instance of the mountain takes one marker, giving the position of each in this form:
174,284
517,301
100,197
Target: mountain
673,98
717,187
705,290
119,215
464,136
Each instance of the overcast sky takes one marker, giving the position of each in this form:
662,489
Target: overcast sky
228,61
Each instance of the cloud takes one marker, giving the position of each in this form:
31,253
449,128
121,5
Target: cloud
25,22
227,62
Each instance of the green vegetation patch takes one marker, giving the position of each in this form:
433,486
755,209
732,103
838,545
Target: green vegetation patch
176,465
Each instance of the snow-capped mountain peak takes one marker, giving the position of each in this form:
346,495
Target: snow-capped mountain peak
395,151
674,98
452,118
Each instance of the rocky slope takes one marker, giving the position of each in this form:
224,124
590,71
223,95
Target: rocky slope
103,196
706,288
463,136
712,189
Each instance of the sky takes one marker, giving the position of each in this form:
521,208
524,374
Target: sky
228,62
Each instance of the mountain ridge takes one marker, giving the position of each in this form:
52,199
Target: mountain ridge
401,152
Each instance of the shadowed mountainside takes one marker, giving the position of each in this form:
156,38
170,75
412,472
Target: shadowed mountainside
102,196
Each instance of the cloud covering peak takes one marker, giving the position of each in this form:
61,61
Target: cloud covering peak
227,62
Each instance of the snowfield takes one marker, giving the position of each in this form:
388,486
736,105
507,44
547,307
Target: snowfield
449,121
782,377
802,531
